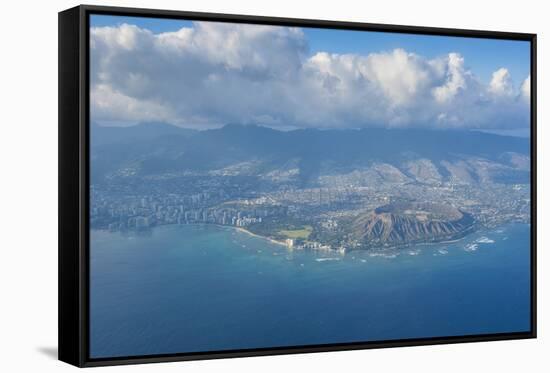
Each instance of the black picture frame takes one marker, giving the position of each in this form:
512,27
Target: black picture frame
74,183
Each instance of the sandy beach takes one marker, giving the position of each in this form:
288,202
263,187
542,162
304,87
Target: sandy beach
240,229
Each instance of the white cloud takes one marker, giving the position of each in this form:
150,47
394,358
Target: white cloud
526,87
116,107
400,75
455,79
215,73
125,36
501,82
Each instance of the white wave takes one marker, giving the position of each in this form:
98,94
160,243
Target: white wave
471,247
382,255
485,240
326,259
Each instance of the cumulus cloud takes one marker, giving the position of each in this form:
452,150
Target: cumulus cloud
501,82
116,107
214,73
455,79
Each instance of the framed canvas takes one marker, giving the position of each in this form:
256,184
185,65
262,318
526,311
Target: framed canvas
236,186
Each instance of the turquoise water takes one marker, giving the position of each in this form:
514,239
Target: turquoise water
203,288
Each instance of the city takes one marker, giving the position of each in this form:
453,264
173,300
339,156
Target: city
281,213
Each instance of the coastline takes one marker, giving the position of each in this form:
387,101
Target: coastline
241,229
377,249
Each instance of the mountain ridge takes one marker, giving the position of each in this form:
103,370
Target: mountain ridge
418,154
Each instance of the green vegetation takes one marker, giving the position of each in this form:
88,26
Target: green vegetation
302,233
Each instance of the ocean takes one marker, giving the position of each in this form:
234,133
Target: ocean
190,288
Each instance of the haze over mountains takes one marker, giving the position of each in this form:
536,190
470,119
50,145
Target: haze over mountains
309,157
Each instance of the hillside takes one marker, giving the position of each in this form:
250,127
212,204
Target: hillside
311,157
407,223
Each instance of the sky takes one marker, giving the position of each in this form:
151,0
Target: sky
208,74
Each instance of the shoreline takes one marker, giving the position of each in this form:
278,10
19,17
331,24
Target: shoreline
243,230
377,249
408,246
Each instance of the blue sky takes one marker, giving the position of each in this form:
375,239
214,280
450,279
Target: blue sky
483,56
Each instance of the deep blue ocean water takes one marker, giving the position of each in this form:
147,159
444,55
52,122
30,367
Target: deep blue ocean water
203,288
